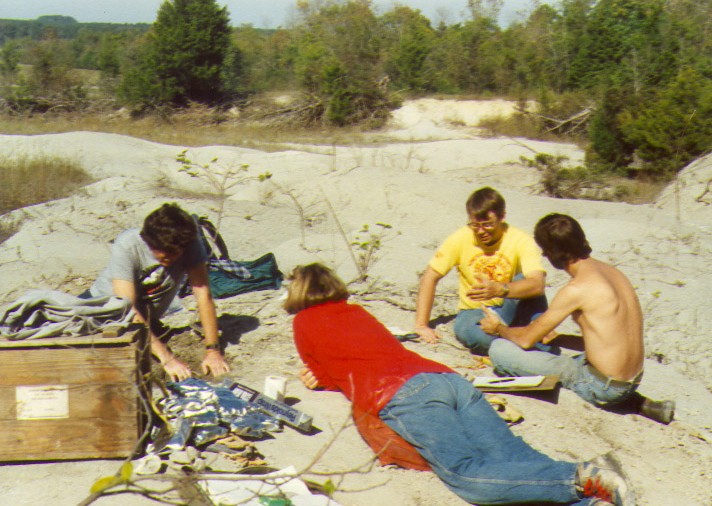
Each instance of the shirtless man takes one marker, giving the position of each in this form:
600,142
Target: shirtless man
603,303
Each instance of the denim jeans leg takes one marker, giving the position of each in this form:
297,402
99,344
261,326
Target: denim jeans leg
511,360
471,448
468,330
528,310
514,312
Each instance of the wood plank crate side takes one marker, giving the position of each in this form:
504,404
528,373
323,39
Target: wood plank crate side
105,416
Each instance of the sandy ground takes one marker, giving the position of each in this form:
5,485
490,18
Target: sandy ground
417,182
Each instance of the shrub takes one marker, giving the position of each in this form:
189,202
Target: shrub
184,56
673,129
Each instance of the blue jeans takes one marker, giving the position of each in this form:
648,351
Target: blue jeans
470,447
574,373
514,312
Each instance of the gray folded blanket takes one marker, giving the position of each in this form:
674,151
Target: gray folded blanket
51,313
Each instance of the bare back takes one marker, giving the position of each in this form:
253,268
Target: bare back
610,318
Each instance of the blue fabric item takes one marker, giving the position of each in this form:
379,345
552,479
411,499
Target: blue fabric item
470,447
232,277
51,313
573,371
263,275
230,267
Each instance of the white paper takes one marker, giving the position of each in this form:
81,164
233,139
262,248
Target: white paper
41,402
507,381
247,492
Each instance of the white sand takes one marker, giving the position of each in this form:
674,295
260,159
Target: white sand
418,184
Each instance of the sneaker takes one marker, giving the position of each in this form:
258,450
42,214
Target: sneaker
603,478
660,411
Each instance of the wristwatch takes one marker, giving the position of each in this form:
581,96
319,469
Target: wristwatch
505,287
215,346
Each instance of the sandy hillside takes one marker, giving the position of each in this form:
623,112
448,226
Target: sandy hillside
417,182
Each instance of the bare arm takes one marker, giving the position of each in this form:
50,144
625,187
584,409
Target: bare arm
424,305
175,369
532,285
214,362
564,304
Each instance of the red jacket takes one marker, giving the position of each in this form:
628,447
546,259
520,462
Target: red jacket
347,349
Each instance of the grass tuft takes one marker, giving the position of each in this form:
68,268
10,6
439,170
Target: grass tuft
27,180
7,230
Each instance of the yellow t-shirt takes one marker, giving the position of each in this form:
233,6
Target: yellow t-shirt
515,253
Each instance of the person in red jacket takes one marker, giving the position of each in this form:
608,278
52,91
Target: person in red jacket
434,409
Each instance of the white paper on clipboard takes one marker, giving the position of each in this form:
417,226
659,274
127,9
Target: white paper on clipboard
507,381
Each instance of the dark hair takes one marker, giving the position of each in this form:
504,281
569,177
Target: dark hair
484,200
169,229
562,239
311,285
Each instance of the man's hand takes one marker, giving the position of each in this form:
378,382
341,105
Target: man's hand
427,334
308,379
214,363
491,322
176,370
485,289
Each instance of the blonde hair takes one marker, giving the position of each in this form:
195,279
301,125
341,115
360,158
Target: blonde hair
311,285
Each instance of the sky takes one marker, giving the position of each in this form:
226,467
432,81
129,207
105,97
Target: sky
259,13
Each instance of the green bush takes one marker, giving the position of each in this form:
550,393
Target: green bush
184,57
675,127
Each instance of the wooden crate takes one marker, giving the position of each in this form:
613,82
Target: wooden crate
72,398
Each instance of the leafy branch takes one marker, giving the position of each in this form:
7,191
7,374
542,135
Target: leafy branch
367,243
222,178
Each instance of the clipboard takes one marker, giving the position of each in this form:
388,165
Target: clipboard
516,384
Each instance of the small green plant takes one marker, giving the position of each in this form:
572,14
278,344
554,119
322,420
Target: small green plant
222,178
367,243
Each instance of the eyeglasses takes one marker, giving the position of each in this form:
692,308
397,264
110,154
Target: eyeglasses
485,225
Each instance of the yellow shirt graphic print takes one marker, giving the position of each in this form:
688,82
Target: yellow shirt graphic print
495,267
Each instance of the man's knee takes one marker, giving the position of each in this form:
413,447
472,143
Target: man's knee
508,359
501,350
469,332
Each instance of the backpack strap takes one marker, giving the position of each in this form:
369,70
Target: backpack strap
213,241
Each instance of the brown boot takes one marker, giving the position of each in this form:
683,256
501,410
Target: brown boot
660,411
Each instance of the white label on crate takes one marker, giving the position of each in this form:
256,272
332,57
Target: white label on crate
42,402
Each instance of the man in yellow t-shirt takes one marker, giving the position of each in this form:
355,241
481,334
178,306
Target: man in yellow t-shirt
499,267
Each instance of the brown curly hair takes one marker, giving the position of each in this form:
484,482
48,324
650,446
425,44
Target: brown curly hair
169,229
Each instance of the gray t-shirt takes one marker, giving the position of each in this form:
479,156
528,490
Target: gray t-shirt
156,285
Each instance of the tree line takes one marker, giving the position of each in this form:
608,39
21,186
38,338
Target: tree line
636,74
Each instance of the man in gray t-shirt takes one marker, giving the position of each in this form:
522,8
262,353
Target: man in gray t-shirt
148,267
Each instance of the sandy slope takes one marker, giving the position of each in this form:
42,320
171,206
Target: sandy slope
417,183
